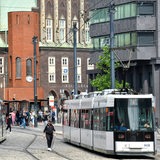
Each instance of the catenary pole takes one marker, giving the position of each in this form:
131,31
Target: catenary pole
111,13
75,57
34,40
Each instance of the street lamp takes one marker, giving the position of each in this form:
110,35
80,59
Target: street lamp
34,40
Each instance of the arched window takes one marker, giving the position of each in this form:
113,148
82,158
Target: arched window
28,67
18,67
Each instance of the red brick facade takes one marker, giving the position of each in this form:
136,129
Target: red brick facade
22,27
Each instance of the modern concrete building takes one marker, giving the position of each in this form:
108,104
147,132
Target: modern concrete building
136,41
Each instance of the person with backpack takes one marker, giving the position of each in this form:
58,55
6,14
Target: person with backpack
49,130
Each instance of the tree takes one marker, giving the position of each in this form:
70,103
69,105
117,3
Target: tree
103,79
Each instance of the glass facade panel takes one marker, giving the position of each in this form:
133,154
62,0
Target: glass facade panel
96,43
127,10
133,39
121,12
127,39
146,8
133,9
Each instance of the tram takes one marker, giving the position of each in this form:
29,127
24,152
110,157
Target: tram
111,122
2,122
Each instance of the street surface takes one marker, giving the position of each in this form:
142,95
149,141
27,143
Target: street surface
30,144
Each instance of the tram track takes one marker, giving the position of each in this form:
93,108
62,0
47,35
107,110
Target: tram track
35,136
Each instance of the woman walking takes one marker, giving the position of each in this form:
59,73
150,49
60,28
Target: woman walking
48,130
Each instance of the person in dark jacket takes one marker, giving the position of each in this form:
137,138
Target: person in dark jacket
48,130
9,122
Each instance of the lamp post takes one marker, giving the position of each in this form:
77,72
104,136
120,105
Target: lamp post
34,40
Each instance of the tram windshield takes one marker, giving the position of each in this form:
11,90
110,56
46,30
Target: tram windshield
133,114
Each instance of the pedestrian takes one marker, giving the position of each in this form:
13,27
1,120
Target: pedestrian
13,117
9,122
45,118
23,124
48,131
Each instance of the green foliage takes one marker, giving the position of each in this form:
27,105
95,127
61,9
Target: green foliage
103,79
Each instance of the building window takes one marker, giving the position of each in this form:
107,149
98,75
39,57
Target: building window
145,8
145,38
79,72
64,78
89,65
120,40
1,65
87,36
121,12
78,61
29,67
125,11
49,32
18,67
96,43
79,80
51,60
99,15
62,30
51,77
17,19
65,61
51,70
65,70
28,19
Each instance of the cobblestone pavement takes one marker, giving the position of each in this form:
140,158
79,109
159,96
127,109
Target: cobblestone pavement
29,144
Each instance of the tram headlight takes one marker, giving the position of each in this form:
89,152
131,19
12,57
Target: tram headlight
121,136
147,136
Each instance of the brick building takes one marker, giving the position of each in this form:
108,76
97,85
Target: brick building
22,27
55,60
56,46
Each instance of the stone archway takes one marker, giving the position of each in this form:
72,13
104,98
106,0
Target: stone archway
52,93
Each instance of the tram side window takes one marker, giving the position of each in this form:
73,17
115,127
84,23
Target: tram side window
109,119
102,117
86,119
99,119
75,118
65,118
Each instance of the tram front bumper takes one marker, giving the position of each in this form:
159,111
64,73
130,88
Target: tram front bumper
134,147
